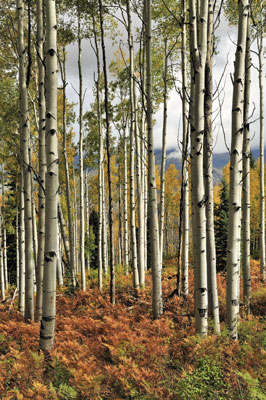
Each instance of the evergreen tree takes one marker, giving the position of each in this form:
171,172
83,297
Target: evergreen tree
221,215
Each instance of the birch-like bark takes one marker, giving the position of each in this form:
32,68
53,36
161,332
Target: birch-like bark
81,177
101,240
25,142
21,295
162,194
125,206
52,182
105,246
213,302
199,52
42,160
106,91
87,219
262,190
185,180
59,271
157,305
69,214
4,232
2,267
246,181
132,126
17,250
235,188
64,234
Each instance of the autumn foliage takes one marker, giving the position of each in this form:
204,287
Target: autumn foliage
119,352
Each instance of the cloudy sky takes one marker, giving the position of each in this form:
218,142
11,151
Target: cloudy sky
225,51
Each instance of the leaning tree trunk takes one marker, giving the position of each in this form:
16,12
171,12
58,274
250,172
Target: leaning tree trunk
213,302
234,231
157,305
112,268
81,178
42,162
246,181
52,182
262,190
25,142
199,53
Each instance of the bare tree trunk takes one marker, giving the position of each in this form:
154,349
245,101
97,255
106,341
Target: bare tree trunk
21,297
199,52
2,267
157,304
125,205
64,234
25,142
246,181
52,182
81,178
162,194
262,190
213,302
185,181
87,219
17,249
112,268
42,160
105,246
235,188
69,214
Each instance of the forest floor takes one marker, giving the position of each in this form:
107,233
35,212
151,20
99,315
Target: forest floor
118,352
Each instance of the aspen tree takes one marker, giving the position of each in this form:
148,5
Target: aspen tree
246,179
17,250
125,205
185,183
112,268
25,143
21,229
157,305
132,122
213,303
69,214
234,231
101,239
62,224
199,53
2,268
52,182
81,177
260,34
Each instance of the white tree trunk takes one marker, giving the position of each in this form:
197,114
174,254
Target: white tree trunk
21,295
52,182
235,188
199,52
125,206
81,177
246,181
157,304
42,161
213,302
25,142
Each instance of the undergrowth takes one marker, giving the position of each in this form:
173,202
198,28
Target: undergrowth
117,352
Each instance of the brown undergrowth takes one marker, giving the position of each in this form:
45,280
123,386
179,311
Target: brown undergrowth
118,352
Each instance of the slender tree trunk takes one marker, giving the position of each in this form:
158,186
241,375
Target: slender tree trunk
125,205
213,302
162,192
246,181
4,232
42,160
69,208
199,52
59,271
25,133
157,304
17,249
185,181
120,239
105,246
235,188
112,269
87,219
2,267
81,178
132,127
52,182
64,234
21,297
262,190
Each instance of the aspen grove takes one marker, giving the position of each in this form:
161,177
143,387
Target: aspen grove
132,207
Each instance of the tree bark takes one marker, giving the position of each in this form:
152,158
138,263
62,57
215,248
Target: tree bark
157,305
235,188
213,302
52,182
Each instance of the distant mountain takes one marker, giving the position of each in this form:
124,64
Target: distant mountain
219,161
